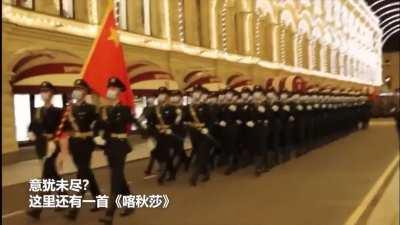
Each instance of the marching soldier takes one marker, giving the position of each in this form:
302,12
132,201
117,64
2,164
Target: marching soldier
199,120
42,131
150,104
300,123
81,119
179,130
111,133
276,126
214,107
287,120
161,119
243,112
258,130
227,118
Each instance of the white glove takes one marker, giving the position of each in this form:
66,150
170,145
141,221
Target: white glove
178,119
151,143
275,108
99,140
261,108
31,136
168,131
316,106
250,124
300,107
232,107
309,107
286,108
323,106
204,131
291,118
238,122
222,123
266,122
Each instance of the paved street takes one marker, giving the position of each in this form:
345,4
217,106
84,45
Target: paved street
320,188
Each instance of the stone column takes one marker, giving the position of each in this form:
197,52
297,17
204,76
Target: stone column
135,16
192,22
214,23
289,48
206,24
8,137
101,7
245,33
81,10
273,42
306,51
175,26
231,29
159,21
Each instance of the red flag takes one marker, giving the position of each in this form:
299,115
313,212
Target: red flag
106,59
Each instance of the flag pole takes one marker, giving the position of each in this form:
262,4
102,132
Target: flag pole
103,21
95,97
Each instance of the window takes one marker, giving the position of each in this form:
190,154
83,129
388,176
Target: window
120,14
28,4
22,115
146,17
57,101
67,8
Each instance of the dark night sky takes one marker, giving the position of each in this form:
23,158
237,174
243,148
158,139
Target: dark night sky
393,43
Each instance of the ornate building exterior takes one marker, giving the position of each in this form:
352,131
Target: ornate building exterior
175,42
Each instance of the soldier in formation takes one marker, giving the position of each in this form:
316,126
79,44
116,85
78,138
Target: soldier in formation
229,129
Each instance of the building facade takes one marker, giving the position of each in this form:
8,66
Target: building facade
171,42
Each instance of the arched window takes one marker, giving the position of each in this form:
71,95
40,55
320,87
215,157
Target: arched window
146,16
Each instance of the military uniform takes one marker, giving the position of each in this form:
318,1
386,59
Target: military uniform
115,120
287,117
199,120
227,119
276,125
178,142
258,124
160,119
44,127
81,120
300,126
245,145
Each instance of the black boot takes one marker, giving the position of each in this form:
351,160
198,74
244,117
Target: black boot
193,181
206,178
230,170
